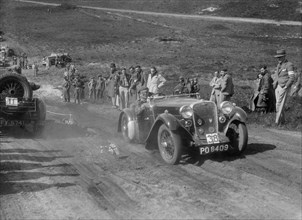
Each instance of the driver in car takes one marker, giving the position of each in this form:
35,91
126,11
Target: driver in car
140,105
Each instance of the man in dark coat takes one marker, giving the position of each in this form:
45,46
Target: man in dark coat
77,83
265,101
66,90
100,87
227,86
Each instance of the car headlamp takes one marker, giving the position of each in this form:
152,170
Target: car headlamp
186,111
226,107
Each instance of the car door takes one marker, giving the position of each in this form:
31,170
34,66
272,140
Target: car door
145,121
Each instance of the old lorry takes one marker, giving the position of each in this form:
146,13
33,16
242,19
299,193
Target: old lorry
18,107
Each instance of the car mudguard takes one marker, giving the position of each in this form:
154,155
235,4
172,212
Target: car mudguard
129,114
239,115
164,118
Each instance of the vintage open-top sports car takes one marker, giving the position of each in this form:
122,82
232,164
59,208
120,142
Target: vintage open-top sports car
175,124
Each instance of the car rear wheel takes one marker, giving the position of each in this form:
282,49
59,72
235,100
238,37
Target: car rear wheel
238,135
169,145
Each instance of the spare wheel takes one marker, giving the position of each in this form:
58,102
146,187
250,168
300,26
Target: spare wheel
15,85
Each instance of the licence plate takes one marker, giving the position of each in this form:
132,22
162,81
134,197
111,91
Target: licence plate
212,138
212,149
11,101
4,122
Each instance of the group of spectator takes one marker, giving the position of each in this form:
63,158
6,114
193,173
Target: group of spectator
122,84
269,94
190,85
119,86
21,61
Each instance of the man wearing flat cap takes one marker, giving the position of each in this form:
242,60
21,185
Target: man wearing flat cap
284,78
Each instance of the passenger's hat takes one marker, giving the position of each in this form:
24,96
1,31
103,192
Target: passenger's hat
280,53
112,65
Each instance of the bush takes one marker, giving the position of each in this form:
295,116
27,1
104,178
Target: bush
67,6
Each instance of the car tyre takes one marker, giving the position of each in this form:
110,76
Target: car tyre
15,85
238,135
169,145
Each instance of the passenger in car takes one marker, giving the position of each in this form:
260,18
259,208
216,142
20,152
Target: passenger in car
181,87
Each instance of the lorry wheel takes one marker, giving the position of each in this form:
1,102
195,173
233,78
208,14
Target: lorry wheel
38,126
169,145
41,110
15,85
238,135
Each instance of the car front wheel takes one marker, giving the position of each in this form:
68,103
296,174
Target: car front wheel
238,135
169,145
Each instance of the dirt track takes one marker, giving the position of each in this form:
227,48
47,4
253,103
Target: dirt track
202,17
70,173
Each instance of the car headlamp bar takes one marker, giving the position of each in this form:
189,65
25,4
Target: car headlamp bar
226,107
186,111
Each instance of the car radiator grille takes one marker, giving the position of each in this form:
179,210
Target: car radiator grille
205,118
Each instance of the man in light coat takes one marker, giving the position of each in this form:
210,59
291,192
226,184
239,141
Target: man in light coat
284,78
155,82
215,84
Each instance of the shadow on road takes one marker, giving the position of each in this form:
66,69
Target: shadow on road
24,151
17,187
22,176
52,130
29,157
17,166
12,166
198,160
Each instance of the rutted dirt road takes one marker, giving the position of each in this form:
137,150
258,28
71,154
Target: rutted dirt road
71,173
